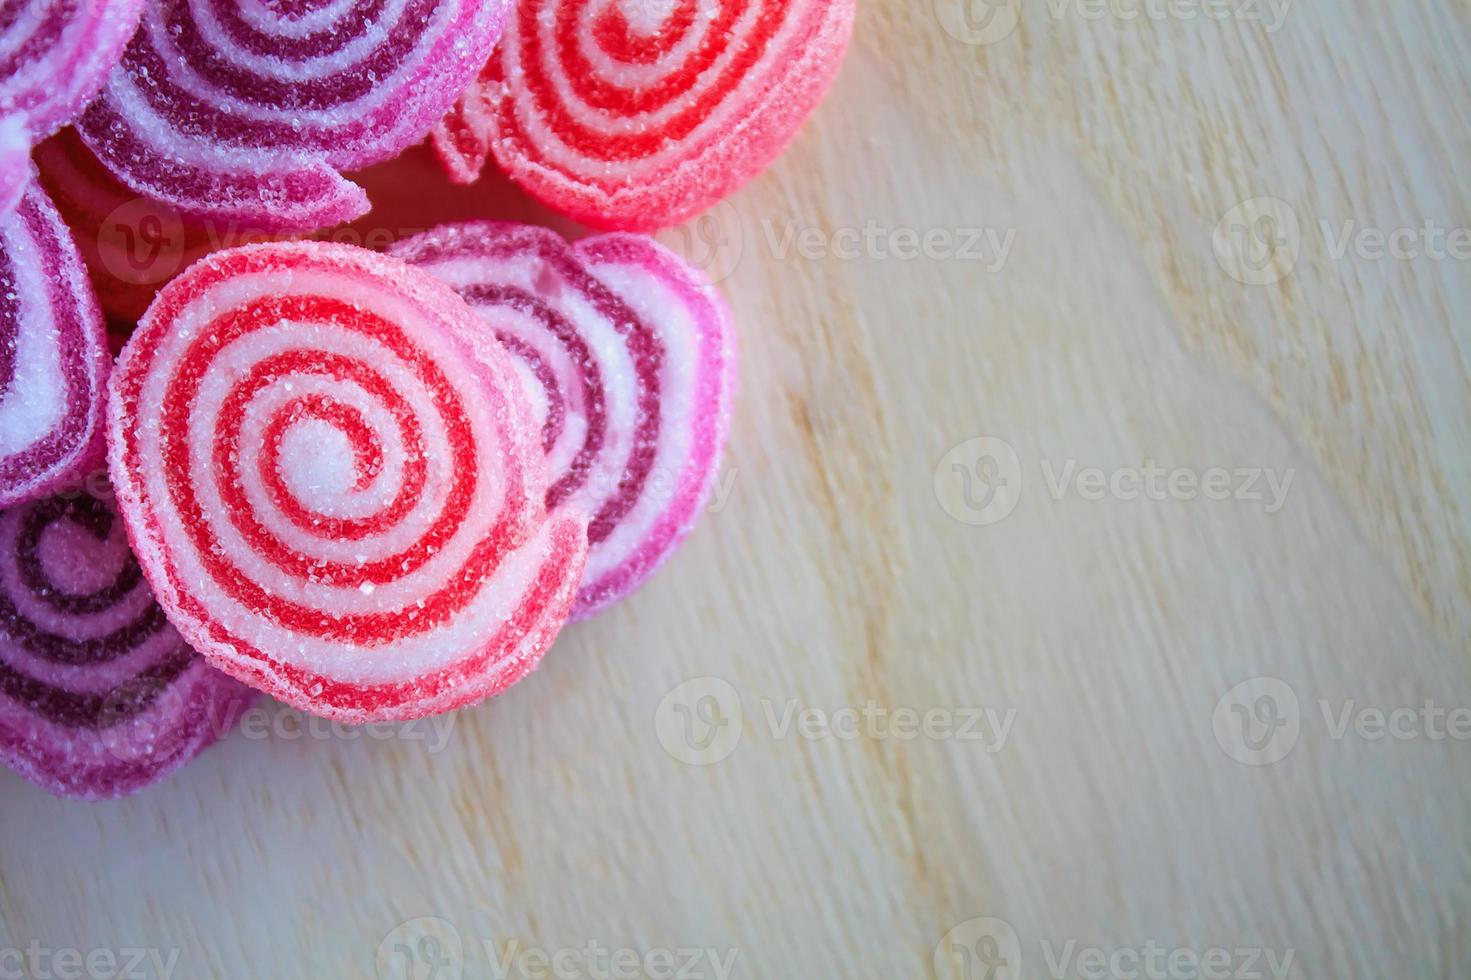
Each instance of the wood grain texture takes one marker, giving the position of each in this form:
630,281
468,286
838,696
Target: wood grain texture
831,574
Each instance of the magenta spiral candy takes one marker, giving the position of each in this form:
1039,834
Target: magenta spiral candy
246,110
53,354
629,355
54,56
99,696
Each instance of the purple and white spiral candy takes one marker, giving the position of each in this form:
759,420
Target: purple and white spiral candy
99,695
53,355
628,355
247,111
54,56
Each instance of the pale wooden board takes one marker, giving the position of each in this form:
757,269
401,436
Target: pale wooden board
1112,335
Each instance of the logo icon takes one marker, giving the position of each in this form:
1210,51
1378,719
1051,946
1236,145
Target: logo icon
142,242
712,242
700,722
979,482
1258,721
1258,242
980,949
979,22
421,949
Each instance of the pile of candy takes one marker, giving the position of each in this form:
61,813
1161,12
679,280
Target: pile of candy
373,485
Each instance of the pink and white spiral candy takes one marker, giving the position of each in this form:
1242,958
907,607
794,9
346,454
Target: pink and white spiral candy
629,355
334,485
53,355
247,110
54,56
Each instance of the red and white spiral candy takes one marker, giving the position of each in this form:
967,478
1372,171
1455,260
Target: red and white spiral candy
53,355
99,695
629,356
54,56
335,488
246,110
637,114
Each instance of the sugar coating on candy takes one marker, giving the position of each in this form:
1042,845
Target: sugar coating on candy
629,358
338,497
637,114
53,355
248,111
54,56
99,695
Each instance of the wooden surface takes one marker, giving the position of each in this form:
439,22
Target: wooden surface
1114,155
